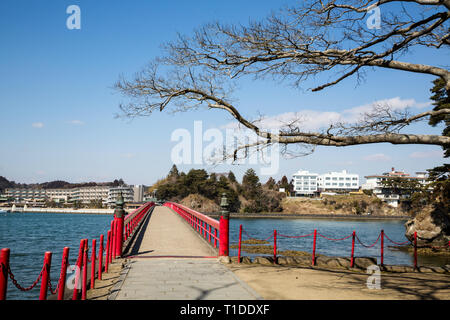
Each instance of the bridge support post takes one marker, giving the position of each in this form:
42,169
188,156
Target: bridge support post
224,227
119,216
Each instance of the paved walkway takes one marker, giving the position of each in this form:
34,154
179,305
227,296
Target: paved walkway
172,262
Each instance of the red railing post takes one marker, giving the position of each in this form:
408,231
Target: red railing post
45,275
108,250
100,257
4,266
224,234
62,280
113,239
119,217
352,259
415,249
215,238
85,265
240,240
313,262
275,246
382,247
78,267
93,258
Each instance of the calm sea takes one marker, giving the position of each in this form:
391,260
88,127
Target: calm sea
29,235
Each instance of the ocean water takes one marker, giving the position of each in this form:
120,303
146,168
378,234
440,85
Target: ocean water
30,235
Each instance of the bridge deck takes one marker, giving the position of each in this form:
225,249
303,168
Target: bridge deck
172,262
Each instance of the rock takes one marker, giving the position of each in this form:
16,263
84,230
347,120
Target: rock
364,262
339,263
433,269
401,269
432,227
246,260
224,259
263,260
322,261
303,260
286,261
425,269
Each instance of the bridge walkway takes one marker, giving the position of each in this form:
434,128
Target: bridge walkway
170,261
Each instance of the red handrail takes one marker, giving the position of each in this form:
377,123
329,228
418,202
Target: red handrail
204,225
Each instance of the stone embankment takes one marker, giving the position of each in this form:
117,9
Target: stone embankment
360,263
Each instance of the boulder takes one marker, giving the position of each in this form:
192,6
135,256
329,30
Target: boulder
263,260
224,259
432,227
364,262
246,260
286,261
401,269
303,260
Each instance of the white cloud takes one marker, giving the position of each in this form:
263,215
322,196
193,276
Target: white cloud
377,157
429,154
312,120
37,125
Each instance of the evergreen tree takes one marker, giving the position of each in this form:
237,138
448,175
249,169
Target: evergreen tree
250,184
441,101
231,177
173,173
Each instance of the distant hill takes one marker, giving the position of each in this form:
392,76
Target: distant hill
57,184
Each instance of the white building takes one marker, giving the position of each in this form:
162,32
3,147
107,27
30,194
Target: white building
88,194
114,192
338,182
375,183
305,183
138,191
59,195
24,194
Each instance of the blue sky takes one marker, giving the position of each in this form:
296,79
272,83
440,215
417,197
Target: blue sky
57,102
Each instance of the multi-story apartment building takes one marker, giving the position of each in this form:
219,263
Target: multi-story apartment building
59,195
114,192
88,194
338,182
107,194
23,194
388,194
305,183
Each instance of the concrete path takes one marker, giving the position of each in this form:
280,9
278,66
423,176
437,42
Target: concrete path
172,262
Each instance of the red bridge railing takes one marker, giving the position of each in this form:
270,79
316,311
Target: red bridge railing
214,231
98,263
381,237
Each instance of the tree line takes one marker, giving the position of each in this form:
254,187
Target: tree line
249,195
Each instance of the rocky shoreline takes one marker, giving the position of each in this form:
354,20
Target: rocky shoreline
360,263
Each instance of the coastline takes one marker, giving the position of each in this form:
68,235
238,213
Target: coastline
235,215
65,211
308,216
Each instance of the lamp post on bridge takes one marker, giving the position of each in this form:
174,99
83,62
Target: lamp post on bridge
224,227
119,215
